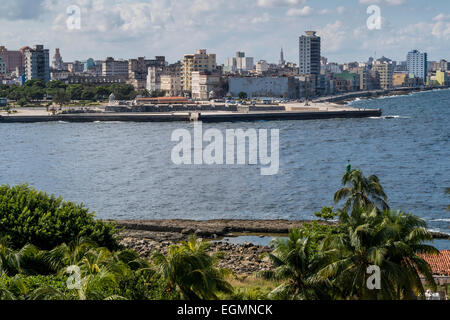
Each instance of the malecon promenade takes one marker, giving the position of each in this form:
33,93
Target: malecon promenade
207,113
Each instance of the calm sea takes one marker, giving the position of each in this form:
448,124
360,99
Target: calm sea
124,170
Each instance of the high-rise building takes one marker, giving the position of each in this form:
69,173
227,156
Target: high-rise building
200,61
309,48
13,59
239,63
57,62
37,63
385,72
417,63
111,67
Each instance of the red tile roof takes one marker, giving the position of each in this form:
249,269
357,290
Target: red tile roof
440,263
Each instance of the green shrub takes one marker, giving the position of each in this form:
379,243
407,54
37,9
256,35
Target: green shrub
28,216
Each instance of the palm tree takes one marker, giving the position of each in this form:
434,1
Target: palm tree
392,241
295,265
361,192
349,254
190,270
407,234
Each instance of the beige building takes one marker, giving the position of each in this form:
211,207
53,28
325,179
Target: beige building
171,84
399,80
205,84
386,73
200,61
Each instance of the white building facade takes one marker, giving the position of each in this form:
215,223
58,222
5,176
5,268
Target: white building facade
417,64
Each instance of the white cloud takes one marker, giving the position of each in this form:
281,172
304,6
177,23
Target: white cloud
389,2
279,3
300,12
333,36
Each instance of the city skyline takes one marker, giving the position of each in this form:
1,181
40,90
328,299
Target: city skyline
260,28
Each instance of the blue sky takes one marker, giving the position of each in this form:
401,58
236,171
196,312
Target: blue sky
131,28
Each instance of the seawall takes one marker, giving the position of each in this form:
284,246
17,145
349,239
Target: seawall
185,117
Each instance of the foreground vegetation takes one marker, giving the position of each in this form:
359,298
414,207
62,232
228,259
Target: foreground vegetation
51,249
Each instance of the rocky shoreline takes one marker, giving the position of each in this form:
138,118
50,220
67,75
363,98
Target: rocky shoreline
148,236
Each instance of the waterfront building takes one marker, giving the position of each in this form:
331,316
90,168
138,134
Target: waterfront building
200,61
111,68
309,53
285,87
37,63
444,65
442,78
347,81
171,84
205,84
385,72
13,59
417,64
400,80
157,70
57,62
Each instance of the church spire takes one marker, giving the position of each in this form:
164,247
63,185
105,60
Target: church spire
282,62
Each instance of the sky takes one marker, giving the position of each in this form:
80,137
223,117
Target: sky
134,28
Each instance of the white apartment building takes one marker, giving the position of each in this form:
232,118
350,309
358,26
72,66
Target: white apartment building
417,64
204,83
37,63
309,53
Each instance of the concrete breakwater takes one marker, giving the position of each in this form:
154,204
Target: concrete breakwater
342,98
189,116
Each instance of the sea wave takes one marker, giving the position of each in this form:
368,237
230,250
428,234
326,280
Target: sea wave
440,220
390,117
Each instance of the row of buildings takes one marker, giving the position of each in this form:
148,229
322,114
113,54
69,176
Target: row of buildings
200,77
